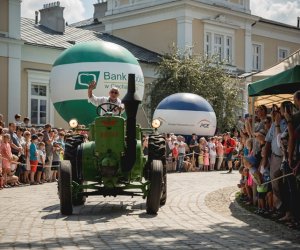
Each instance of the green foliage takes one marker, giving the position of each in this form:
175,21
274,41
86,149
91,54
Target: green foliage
203,76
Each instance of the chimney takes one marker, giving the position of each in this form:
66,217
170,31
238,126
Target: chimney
52,17
99,9
298,22
36,17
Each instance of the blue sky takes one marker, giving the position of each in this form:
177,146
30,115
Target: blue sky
285,11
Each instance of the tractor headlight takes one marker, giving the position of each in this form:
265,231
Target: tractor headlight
156,123
73,123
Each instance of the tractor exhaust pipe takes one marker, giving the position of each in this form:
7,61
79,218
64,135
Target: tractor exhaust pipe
131,103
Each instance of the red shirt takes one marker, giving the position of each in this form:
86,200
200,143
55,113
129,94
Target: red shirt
229,145
175,152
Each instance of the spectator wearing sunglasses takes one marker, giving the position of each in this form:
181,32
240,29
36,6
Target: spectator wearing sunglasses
112,98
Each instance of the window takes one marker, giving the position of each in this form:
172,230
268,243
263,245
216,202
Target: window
221,44
39,106
282,53
228,49
218,46
208,44
257,57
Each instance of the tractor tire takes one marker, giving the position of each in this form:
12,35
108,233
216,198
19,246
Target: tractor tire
163,198
157,151
73,153
71,146
155,190
65,188
157,148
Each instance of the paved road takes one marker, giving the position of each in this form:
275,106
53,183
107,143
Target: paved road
199,214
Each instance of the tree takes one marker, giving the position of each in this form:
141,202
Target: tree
202,76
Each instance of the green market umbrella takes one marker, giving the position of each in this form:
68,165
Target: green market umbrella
286,82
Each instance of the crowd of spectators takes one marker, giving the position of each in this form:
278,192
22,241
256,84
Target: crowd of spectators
193,153
202,154
29,155
270,164
264,147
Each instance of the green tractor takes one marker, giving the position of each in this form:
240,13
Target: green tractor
112,163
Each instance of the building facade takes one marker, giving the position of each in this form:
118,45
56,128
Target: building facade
223,27
28,49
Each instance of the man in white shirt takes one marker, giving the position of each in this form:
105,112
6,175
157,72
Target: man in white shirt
112,98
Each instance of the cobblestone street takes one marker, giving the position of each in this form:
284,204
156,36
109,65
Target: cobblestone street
200,213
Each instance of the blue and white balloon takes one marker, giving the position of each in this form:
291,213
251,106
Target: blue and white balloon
186,113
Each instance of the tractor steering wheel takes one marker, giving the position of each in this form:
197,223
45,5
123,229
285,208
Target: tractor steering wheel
111,109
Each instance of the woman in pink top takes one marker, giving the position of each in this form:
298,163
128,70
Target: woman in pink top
220,152
5,150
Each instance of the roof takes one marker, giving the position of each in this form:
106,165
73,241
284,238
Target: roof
284,25
39,35
289,62
85,23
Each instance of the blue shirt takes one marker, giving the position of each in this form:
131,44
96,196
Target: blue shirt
33,150
272,137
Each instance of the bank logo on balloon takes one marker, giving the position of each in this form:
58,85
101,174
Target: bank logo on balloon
85,78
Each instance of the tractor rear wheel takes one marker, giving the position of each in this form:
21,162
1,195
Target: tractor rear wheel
65,188
73,153
155,190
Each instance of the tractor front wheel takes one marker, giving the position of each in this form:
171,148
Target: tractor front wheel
163,198
155,190
65,188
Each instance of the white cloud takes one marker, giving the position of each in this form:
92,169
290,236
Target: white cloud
278,10
73,12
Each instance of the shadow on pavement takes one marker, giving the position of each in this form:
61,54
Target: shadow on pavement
101,212
218,236
265,225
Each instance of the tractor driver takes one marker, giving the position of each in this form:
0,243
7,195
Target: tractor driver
112,98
